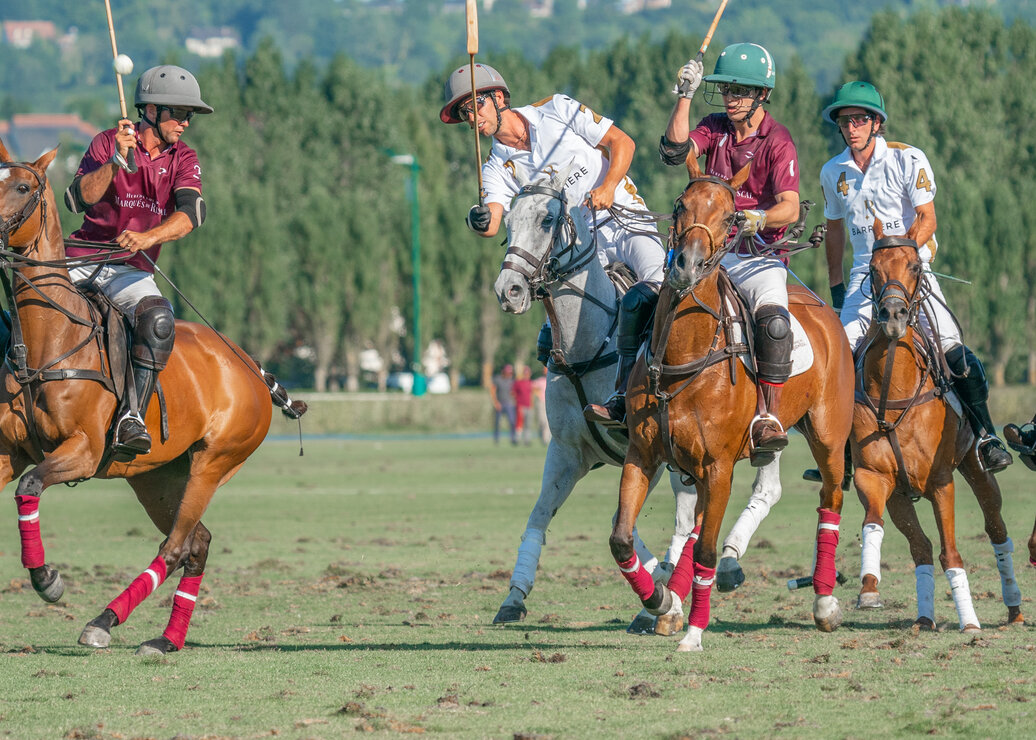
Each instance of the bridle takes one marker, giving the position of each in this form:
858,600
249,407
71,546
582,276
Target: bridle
16,221
894,290
716,253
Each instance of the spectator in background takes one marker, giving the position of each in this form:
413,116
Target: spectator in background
501,391
539,402
523,404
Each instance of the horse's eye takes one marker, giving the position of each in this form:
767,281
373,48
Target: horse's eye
23,188
547,222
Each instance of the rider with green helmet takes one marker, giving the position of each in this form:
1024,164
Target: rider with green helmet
746,134
877,179
138,210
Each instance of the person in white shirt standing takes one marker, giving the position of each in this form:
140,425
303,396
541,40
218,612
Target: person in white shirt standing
553,135
894,183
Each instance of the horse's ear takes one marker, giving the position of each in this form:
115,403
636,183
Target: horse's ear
5,156
879,233
739,179
692,165
44,161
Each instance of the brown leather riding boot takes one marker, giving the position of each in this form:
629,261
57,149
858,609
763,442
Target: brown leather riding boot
612,413
767,434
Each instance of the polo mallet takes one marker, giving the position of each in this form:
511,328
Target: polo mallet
123,65
708,35
471,13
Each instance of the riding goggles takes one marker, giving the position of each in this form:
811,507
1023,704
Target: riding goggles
180,115
731,90
466,110
856,121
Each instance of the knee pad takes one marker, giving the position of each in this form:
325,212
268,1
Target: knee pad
154,330
635,311
773,343
544,343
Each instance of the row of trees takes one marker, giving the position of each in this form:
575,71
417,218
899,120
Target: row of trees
308,243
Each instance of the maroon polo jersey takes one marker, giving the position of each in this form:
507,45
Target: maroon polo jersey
136,202
775,162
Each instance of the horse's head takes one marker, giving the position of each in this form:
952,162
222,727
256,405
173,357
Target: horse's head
896,280
702,219
23,198
542,242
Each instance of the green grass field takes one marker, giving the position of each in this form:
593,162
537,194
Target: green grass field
352,590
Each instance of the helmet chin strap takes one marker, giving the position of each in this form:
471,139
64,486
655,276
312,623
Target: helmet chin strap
756,102
155,126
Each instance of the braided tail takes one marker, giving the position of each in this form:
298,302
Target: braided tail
280,397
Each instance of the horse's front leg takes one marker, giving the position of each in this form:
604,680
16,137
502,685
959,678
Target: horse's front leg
987,491
696,571
766,491
562,469
633,489
904,516
71,460
950,559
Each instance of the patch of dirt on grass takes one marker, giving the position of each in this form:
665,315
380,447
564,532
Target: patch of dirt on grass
644,691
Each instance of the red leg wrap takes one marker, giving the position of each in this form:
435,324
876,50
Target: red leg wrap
142,587
635,572
827,545
680,580
701,593
183,607
29,529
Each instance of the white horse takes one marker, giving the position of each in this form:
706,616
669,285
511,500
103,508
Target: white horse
552,256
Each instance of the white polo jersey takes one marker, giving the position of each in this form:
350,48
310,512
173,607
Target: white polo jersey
898,180
563,133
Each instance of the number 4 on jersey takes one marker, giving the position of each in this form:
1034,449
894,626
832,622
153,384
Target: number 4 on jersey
842,186
923,183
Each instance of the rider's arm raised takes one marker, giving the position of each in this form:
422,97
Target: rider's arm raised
676,142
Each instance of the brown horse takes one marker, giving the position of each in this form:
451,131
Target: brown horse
56,409
692,410
907,440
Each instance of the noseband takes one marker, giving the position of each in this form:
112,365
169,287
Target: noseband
715,253
894,289
10,225
548,269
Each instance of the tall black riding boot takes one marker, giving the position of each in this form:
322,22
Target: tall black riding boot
132,436
973,390
612,413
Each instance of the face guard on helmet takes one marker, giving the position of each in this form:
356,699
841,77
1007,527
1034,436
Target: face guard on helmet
742,70
458,89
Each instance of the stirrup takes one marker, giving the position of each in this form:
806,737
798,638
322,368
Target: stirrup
135,445
765,417
991,442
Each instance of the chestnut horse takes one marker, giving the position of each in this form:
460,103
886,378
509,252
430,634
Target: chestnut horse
690,403
907,440
55,411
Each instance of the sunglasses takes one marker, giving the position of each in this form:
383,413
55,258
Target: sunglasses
737,91
182,115
466,110
855,121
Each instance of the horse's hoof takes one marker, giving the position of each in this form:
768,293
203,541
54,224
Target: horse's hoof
510,613
971,629
869,600
691,642
47,582
1014,615
642,624
158,646
827,613
729,574
95,637
670,623
924,624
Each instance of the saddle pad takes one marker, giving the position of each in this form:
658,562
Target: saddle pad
801,351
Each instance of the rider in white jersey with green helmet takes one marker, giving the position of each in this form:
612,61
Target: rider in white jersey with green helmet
893,183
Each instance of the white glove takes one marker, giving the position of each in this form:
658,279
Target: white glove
755,221
689,79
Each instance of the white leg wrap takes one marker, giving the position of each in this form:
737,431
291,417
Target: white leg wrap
870,560
1005,564
925,577
958,579
524,574
766,491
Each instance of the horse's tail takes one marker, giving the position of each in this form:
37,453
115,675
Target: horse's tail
280,397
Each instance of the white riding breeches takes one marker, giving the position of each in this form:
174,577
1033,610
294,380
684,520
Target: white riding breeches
123,284
642,253
858,311
761,281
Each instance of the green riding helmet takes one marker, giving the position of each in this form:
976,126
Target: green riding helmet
170,86
856,95
458,88
745,64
